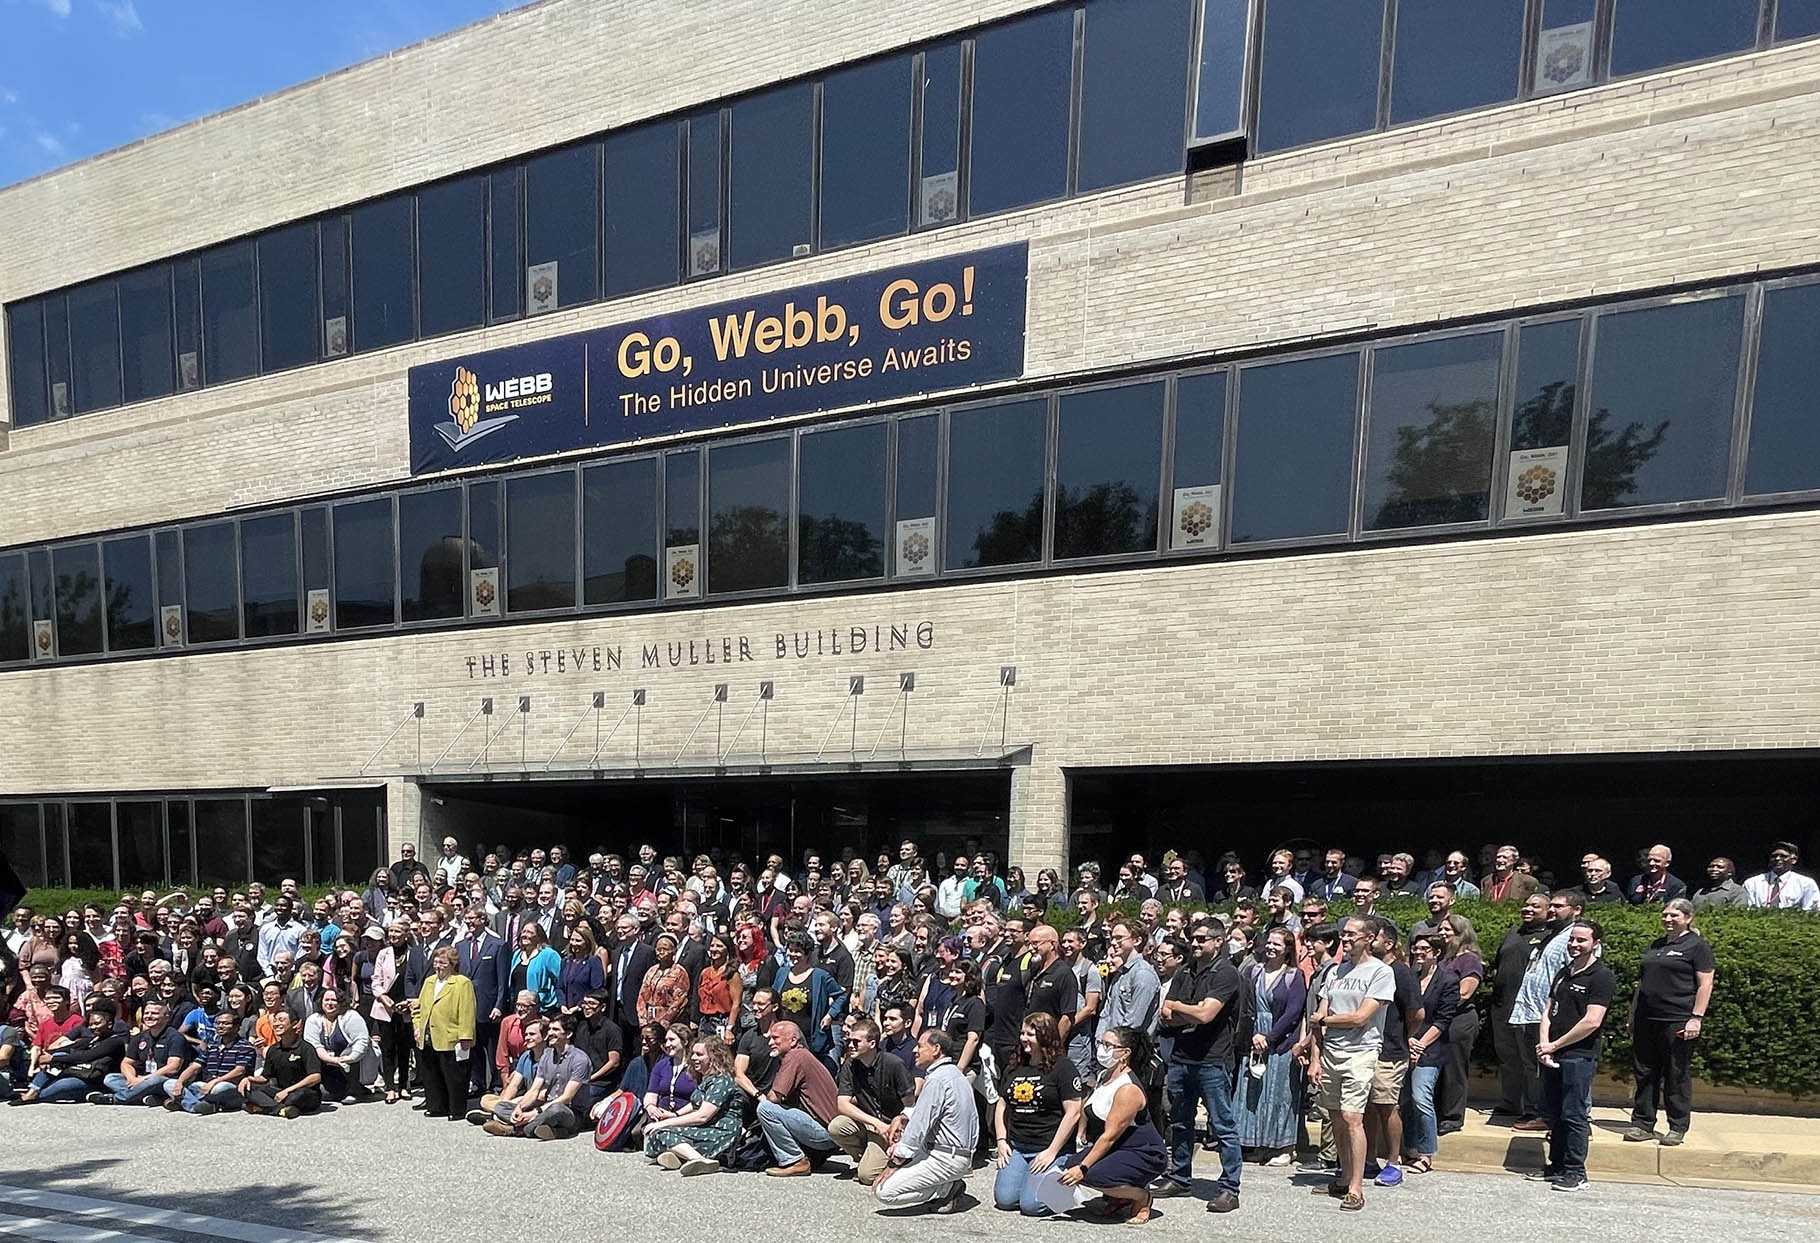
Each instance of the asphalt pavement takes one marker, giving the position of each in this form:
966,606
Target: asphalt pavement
88,1174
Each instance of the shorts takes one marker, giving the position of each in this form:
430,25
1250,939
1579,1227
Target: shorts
1387,1081
1346,1080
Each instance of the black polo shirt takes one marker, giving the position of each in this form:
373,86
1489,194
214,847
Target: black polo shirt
1668,978
1196,1044
289,1064
149,1052
1004,978
879,1089
1569,998
1054,992
599,1043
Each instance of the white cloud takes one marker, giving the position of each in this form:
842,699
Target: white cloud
60,8
121,12
11,97
49,143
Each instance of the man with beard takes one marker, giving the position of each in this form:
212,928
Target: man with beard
1544,964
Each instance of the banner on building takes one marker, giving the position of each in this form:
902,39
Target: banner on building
170,625
483,592
317,615
1564,57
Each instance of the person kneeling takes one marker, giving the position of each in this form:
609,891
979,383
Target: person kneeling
932,1151
290,1083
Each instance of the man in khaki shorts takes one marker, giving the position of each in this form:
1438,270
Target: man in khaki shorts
1348,1030
1400,1016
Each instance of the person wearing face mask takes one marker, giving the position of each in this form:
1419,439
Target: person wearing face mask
1667,1012
1125,1153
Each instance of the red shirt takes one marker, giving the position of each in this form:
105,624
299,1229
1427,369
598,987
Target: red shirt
50,1031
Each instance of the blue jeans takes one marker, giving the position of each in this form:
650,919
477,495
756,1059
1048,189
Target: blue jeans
789,1131
14,1070
62,1088
1419,1123
1567,1104
1210,1085
225,1096
150,1085
1015,1186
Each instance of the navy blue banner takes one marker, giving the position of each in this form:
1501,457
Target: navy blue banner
935,326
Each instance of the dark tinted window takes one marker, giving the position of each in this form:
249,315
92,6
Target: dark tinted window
362,822
19,838
452,255
866,152
1434,410
841,504
430,567
383,312
1022,75
15,625
1548,362
43,593
1109,460
140,829
1200,429
704,194
363,564
1648,34
484,541
230,325
54,861
643,188
167,551
619,531
918,466
502,243
1292,466
337,308
769,175
268,571
79,623
748,515
131,611
25,345
1134,87
57,354
682,498
145,334
1220,87
278,838
179,833
995,484
287,296
1797,19
94,312
938,195
562,227
220,830
1785,419
540,542
1320,71
315,539
186,297
91,845
211,583
1452,56
1663,383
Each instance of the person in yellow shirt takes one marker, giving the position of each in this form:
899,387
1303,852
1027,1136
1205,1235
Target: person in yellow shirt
445,1019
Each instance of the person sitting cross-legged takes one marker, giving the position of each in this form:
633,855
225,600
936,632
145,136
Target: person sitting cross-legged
693,1139
290,1082
499,1106
557,1101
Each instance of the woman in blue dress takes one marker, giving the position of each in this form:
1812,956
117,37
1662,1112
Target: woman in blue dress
1269,1090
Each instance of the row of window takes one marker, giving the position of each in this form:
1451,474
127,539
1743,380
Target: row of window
206,840
1066,100
1700,400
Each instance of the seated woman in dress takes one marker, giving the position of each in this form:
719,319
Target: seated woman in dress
693,1139
670,1086
1125,1152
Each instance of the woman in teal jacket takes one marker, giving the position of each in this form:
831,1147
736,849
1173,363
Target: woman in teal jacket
537,967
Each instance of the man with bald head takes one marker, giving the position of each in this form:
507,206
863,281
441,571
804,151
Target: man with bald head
1655,885
1054,989
802,1102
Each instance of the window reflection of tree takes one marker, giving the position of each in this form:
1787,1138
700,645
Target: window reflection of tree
1011,536
79,612
1613,458
835,549
1439,471
1108,517
440,575
748,548
1547,418
15,642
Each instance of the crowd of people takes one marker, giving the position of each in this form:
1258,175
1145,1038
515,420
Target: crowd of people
915,1014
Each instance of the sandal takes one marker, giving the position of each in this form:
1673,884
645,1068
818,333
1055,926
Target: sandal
1352,1203
1420,1165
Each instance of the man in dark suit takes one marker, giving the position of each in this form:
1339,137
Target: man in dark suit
488,966
691,953
306,998
631,959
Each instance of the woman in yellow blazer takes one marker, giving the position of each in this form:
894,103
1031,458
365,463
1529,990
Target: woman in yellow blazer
445,1033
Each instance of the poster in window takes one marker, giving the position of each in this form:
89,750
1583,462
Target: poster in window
170,625
483,592
317,617
1537,479
43,640
704,252
682,572
540,287
60,399
1564,57
1197,517
940,198
189,369
915,547
335,336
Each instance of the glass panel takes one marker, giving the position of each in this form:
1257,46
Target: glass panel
1433,419
1022,75
540,542
79,625
484,543
179,835
287,297
91,845
682,498
362,813
230,325
319,821
55,875
1134,88
43,586
278,839
131,612
1292,468
749,515
1220,89
770,175
1663,383
21,843
1797,19
15,627
363,564
1320,71
995,484
918,466
221,841
1200,429
1109,458
704,194
643,189
452,255
167,549
502,242
866,152
315,549
1451,57
140,829
1548,362
94,312
337,306
430,569
562,226
619,531
57,354
841,504
383,310
268,570
1671,32
1564,50
25,346
211,586
186,294
145,333
1784,453
938,197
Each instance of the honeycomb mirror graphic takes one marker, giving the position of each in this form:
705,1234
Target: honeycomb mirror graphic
484,595
319,611
464,399
916,548
941,205
543,288
1537,484
44,641
1563,63
683,573
1197,518
173,627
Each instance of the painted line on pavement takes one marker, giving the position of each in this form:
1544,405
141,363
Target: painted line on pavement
145,1215
48,1231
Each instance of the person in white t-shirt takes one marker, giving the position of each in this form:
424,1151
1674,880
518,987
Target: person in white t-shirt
1348,1029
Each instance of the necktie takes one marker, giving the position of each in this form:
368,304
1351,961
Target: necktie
1775,892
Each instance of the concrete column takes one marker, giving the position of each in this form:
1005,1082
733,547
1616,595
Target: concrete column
1039,818
406,806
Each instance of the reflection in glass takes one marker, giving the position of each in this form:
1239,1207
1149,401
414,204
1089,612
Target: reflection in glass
91,845
619,531
1797,19
1109,458
287,297
1434,409
682,498
362,828
43,587
337,308
769,175
21,843
704,194
79,625
131,615
180,835
1450,57
430,568
748,515
220,826
363,564
562,223
315,530
25,346
94,312
230,326
186,296
1292,464
995,484
841,504
384,310
57,354
452,255
1134,76
865,152
484,542
938,195
55,860
1320,71
211,585
1664,381
918,466
1548,362
1022,74
1200,429
643,208
140,830
1784,451
168,552
502,243
15,625
1220,86
268,569
1652,35
145,333
540,542
278,838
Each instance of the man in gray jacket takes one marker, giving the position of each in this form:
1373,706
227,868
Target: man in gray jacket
1133,993
932,1150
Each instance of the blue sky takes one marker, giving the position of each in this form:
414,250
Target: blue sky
78,77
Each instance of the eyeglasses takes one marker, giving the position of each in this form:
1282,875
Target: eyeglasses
1200,936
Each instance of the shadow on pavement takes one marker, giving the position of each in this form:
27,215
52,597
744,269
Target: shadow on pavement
299,1205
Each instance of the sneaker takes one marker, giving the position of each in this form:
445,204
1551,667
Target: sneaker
290,1111
478,1116
204,1108
545,1132
152,1101
1571,1182
99,1098
1542,1176
691,1168
1372,1170
1674,1139
493,1126
667,1160
1280,1160
1638,1135
1390,1176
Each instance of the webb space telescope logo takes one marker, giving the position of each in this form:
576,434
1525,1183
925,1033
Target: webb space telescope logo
468,401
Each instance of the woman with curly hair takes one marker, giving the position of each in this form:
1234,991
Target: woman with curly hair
693,1139
1038,1109
809,997
1125,1153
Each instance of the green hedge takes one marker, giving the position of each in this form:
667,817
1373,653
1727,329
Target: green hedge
57,901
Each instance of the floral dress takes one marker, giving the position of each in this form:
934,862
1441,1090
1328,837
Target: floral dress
712,1138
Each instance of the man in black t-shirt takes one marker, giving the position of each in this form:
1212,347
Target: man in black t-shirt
600,1038
874,1093
155,1056
1578,1002
1507,968
1052,989
1005,971
1201,1009
754,1065
289,1084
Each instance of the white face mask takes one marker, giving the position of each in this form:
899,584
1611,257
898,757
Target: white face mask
1104,1054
